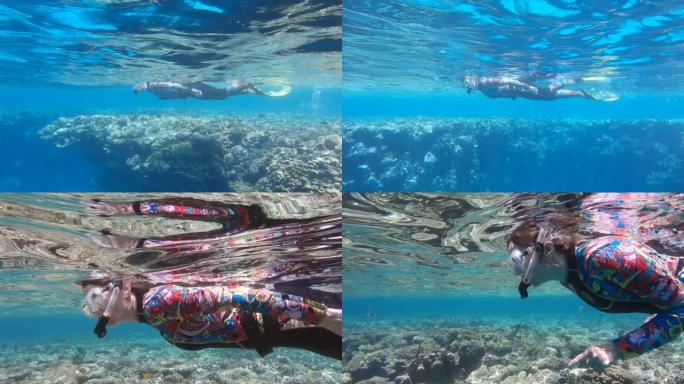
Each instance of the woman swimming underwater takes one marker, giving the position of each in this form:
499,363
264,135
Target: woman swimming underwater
614,271
217,316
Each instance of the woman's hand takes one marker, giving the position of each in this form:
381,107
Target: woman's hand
599,356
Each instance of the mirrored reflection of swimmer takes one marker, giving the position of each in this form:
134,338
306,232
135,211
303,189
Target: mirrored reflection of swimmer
173,90
198,317
616,272
233,218
511,87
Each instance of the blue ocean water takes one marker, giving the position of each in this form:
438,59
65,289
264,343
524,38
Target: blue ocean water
479,307
32,163
410,125
43,328
63,59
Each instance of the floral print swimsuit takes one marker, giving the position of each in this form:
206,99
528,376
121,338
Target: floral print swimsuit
619,274
211,314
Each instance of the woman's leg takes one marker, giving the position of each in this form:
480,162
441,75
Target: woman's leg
315,339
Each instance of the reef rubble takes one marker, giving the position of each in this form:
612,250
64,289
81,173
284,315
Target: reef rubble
147,361
479,352
206,153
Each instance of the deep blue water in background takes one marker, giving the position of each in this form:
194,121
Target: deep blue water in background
484,305
377,104
66,326
66,58
33,164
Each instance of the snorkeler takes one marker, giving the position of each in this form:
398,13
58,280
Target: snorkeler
172,90
198,317
614,273
511,87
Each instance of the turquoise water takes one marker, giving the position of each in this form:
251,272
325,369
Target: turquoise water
410,124
36,162
431,297
72,66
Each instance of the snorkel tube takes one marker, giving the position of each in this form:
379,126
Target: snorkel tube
525,280
101,326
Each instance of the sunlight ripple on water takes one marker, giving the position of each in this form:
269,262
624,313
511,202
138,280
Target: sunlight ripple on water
430,44
48,241
455,243
105,42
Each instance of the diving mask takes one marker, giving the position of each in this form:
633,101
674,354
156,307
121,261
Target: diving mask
99,301
531,255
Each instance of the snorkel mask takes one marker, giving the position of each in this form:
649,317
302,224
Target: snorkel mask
99,301
140,87
532,253
469,82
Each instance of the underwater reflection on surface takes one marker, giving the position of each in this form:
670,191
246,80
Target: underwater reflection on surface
429,44
288,244
123,42
283,242
430,297
454,243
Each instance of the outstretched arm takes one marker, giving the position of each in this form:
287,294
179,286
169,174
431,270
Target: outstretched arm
656,331
634,272
251,88
639,270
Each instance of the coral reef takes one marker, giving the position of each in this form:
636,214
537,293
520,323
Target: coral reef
206,153
448,154
155,361
479,352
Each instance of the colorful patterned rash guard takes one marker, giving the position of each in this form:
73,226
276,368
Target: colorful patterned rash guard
211,314
235,219
619,274
193,209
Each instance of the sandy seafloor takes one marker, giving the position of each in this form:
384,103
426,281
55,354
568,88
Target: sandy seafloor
65,351
478,350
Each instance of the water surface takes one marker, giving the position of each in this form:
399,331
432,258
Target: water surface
48,242
409,124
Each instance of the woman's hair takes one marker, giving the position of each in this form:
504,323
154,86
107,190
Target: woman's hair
97,278
101,279
525,233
